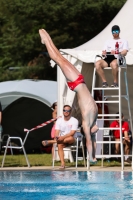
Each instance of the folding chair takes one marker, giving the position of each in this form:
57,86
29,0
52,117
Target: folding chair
23,142
9,146
4,141
78,145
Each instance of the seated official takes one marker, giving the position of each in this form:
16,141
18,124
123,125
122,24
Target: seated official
65,128
111,60
126,140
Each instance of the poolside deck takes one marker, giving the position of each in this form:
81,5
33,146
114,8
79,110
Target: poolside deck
92,168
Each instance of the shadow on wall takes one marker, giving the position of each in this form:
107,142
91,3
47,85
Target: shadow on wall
27,113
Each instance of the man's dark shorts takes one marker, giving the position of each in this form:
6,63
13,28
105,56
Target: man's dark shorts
109,58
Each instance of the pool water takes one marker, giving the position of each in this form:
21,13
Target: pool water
65,185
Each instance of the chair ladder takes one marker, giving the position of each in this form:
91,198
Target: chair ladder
116,102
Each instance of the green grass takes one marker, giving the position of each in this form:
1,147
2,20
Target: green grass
46,160
34,159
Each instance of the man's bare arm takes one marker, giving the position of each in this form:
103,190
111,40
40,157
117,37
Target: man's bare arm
72,132
124,52
103,53
126,136
57,133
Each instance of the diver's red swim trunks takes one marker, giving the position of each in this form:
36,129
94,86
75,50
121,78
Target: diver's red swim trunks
73,84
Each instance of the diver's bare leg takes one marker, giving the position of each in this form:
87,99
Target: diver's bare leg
70,72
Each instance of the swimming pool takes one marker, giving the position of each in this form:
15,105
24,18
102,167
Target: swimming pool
65,185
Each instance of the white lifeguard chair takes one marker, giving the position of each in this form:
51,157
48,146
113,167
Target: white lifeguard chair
116,100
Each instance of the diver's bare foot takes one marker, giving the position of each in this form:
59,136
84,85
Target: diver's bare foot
94,129
44,36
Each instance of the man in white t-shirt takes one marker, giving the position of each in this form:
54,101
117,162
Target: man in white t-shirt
65,129
111,60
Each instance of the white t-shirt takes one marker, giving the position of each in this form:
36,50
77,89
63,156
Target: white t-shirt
66,126
110,45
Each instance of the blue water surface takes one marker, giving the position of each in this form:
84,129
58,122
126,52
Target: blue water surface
65,185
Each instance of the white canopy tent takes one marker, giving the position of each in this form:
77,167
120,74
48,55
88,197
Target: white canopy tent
26,104
83,58
41,90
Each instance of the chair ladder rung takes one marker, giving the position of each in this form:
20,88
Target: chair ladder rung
107,88
107,101
108,115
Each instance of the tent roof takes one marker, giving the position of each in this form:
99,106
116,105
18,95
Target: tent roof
44,91
90,49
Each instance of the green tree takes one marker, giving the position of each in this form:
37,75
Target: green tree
70,24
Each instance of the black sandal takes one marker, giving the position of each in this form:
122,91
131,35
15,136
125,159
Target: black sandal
45,143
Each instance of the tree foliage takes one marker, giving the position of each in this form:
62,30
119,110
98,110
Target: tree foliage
69,23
